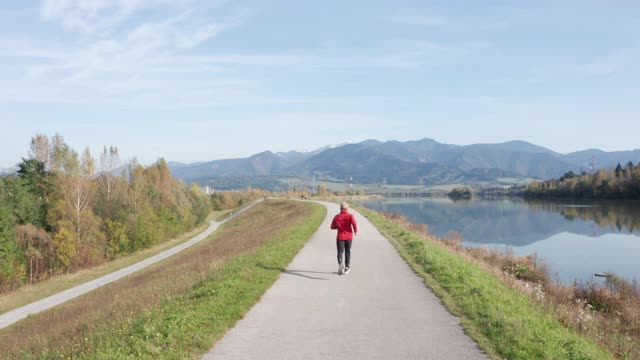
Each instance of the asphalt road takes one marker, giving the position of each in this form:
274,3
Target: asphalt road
380,310
35,307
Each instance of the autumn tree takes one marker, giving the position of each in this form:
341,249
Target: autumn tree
38,247
137,184
322,190
109,163
40,150
65,249
59,155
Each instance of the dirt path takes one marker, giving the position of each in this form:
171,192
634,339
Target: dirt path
35,307
380,310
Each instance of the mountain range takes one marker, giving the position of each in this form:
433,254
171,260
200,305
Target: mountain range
421,162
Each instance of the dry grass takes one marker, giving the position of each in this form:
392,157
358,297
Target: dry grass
124,300
608,314
30,293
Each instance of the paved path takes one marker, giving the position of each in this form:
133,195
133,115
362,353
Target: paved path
20,313
380,310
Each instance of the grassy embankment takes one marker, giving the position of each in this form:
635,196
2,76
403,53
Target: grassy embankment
33,292
505,322
177,308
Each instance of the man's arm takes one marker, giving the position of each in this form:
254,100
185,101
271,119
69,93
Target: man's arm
334,224
354,224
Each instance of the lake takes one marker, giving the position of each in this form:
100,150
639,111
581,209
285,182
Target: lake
576,239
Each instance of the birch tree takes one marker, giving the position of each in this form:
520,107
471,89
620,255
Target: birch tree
109,163
40,149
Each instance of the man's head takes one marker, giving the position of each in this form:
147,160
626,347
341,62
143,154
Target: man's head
344,205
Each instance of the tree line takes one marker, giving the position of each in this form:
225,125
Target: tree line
65,210
617,183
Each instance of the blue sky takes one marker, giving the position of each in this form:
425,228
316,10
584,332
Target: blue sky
195,80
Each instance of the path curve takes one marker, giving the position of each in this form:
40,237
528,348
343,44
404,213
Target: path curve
380,310
15,315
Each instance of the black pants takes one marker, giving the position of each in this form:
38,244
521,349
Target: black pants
344,246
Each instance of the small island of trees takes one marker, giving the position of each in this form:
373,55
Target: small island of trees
460,193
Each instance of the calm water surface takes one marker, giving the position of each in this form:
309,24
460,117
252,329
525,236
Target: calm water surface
575,239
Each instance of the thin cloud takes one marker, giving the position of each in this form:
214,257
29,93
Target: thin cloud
116,58
603,67
89,16
600,68
443,22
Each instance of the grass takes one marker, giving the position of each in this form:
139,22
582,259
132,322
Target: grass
177,308
33,292
515,181
505,322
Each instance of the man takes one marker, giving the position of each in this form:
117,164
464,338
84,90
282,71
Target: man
347,227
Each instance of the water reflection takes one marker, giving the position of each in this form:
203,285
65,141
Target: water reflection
575,238
620,216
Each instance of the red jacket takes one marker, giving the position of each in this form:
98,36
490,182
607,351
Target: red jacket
344,223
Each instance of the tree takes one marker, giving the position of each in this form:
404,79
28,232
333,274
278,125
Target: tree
73,209
161,184
60,154
40,150
227,200
117,239
11,260
37,246
200,207
88,164
619,170
322,190
109,163
137,185
36,177
38,183
64,247
628,171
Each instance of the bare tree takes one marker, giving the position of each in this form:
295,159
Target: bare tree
40,149
109,162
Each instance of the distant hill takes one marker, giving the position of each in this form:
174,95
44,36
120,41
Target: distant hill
265,163
603,159
420,162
